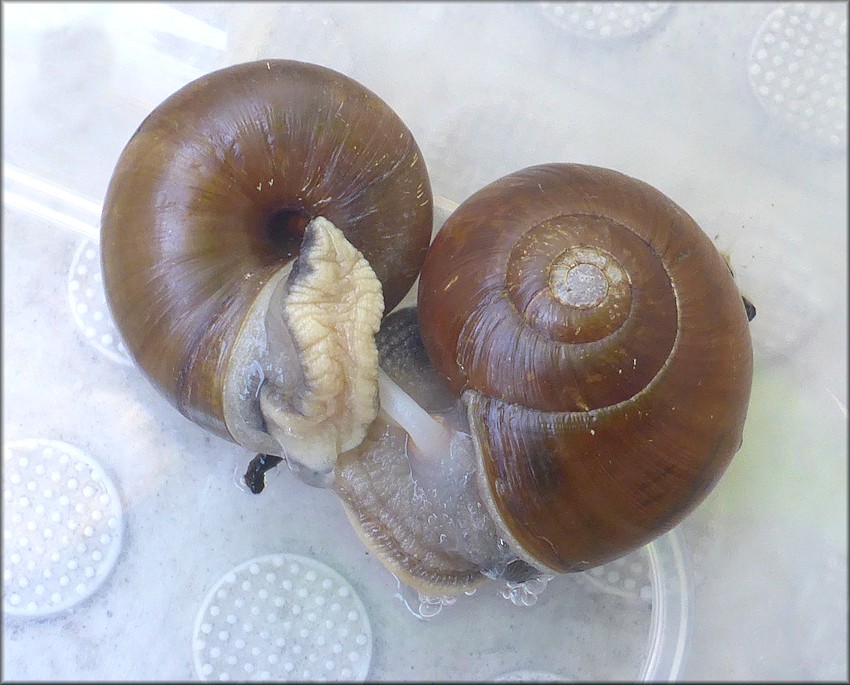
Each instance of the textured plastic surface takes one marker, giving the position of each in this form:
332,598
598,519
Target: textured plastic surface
737,111
282,617
62,527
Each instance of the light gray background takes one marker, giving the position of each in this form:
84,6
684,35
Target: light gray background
486,89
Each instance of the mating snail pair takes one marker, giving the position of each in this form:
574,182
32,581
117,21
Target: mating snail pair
585,348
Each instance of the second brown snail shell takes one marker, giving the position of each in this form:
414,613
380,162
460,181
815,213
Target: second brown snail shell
600,351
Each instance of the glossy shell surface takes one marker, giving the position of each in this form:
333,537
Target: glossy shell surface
603,353
209,196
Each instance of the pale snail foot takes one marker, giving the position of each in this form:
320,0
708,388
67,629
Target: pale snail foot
426,525
421,512
306,387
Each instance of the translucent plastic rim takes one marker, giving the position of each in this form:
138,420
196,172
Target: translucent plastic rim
672,608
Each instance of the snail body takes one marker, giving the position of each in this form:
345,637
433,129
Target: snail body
601,355
584,348
236,201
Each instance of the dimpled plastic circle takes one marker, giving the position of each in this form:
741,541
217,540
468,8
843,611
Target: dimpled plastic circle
628,576
798,70
282,617
604,19
62,526
88,304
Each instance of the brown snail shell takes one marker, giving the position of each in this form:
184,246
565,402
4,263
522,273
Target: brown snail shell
212,199
602,352
601,355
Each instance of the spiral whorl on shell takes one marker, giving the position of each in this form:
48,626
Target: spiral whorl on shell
602,351
212,198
